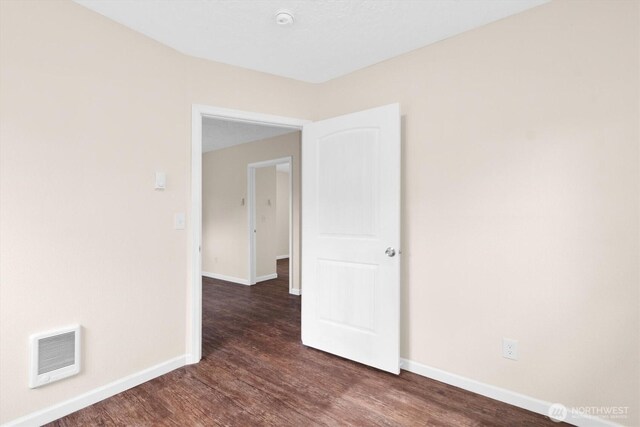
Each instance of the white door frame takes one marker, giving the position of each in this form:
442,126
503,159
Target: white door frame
194,255
251,205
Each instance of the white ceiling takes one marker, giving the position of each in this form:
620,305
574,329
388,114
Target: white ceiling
328,39
217,134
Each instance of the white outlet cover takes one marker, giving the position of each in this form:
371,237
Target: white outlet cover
509,349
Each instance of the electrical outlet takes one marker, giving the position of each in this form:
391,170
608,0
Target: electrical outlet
509,349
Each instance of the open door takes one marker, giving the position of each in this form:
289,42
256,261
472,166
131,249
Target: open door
351,236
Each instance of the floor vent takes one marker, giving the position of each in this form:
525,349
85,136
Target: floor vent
54,355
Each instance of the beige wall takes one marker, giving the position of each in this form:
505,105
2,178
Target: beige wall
224,218
520,199
282,213
89,111
224,221
520,175
266,232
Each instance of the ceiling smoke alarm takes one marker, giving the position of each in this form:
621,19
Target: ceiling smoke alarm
284,18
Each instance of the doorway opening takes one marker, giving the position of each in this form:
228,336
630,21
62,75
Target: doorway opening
234,260
271,219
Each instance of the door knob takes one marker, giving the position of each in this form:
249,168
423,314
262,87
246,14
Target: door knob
390,252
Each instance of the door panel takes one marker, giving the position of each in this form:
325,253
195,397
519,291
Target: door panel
350,216
347,200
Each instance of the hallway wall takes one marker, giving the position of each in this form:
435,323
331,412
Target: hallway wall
225,219
282,214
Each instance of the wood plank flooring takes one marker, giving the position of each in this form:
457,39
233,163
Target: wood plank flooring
255,371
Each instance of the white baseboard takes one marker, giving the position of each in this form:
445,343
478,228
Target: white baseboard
237,279
294,291
225,278
507,396
282,257
61,409
266,277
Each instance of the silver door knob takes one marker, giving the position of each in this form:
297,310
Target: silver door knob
390,252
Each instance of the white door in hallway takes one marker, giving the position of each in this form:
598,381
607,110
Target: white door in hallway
351,236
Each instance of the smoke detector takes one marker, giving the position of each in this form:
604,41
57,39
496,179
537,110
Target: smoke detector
284,18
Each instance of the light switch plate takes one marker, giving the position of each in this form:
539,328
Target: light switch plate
161,181
179,221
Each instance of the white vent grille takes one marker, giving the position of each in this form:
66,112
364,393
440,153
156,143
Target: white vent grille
54,355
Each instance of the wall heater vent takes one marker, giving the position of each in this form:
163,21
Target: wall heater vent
54,355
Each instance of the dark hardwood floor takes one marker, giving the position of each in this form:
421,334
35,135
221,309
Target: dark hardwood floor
255,371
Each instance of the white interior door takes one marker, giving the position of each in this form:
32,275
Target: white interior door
350,231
